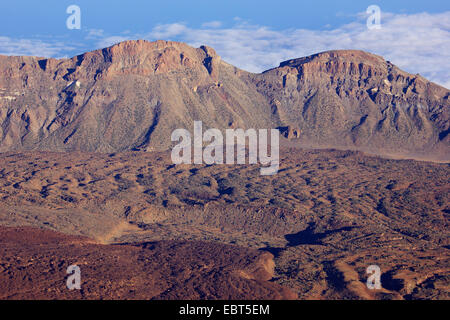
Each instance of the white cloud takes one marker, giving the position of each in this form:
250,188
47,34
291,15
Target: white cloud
33,47
167,31
417,43
109,41
95,33
212,24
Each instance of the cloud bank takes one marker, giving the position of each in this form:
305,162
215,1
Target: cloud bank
417,43
33,47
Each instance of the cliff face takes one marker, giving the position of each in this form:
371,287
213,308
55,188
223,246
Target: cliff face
134,94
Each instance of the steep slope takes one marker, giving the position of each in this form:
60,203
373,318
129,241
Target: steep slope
355,99
131,95
134,94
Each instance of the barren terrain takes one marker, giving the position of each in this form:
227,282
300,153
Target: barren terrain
324,218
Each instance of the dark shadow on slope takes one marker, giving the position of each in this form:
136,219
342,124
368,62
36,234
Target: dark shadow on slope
308,236
305,237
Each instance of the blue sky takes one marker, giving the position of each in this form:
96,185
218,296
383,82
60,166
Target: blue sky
253,35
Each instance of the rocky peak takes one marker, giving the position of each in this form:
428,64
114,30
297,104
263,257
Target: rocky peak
139,57
348,64
146,58
349,70
335,57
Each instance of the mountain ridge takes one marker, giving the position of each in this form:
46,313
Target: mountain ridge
132,95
